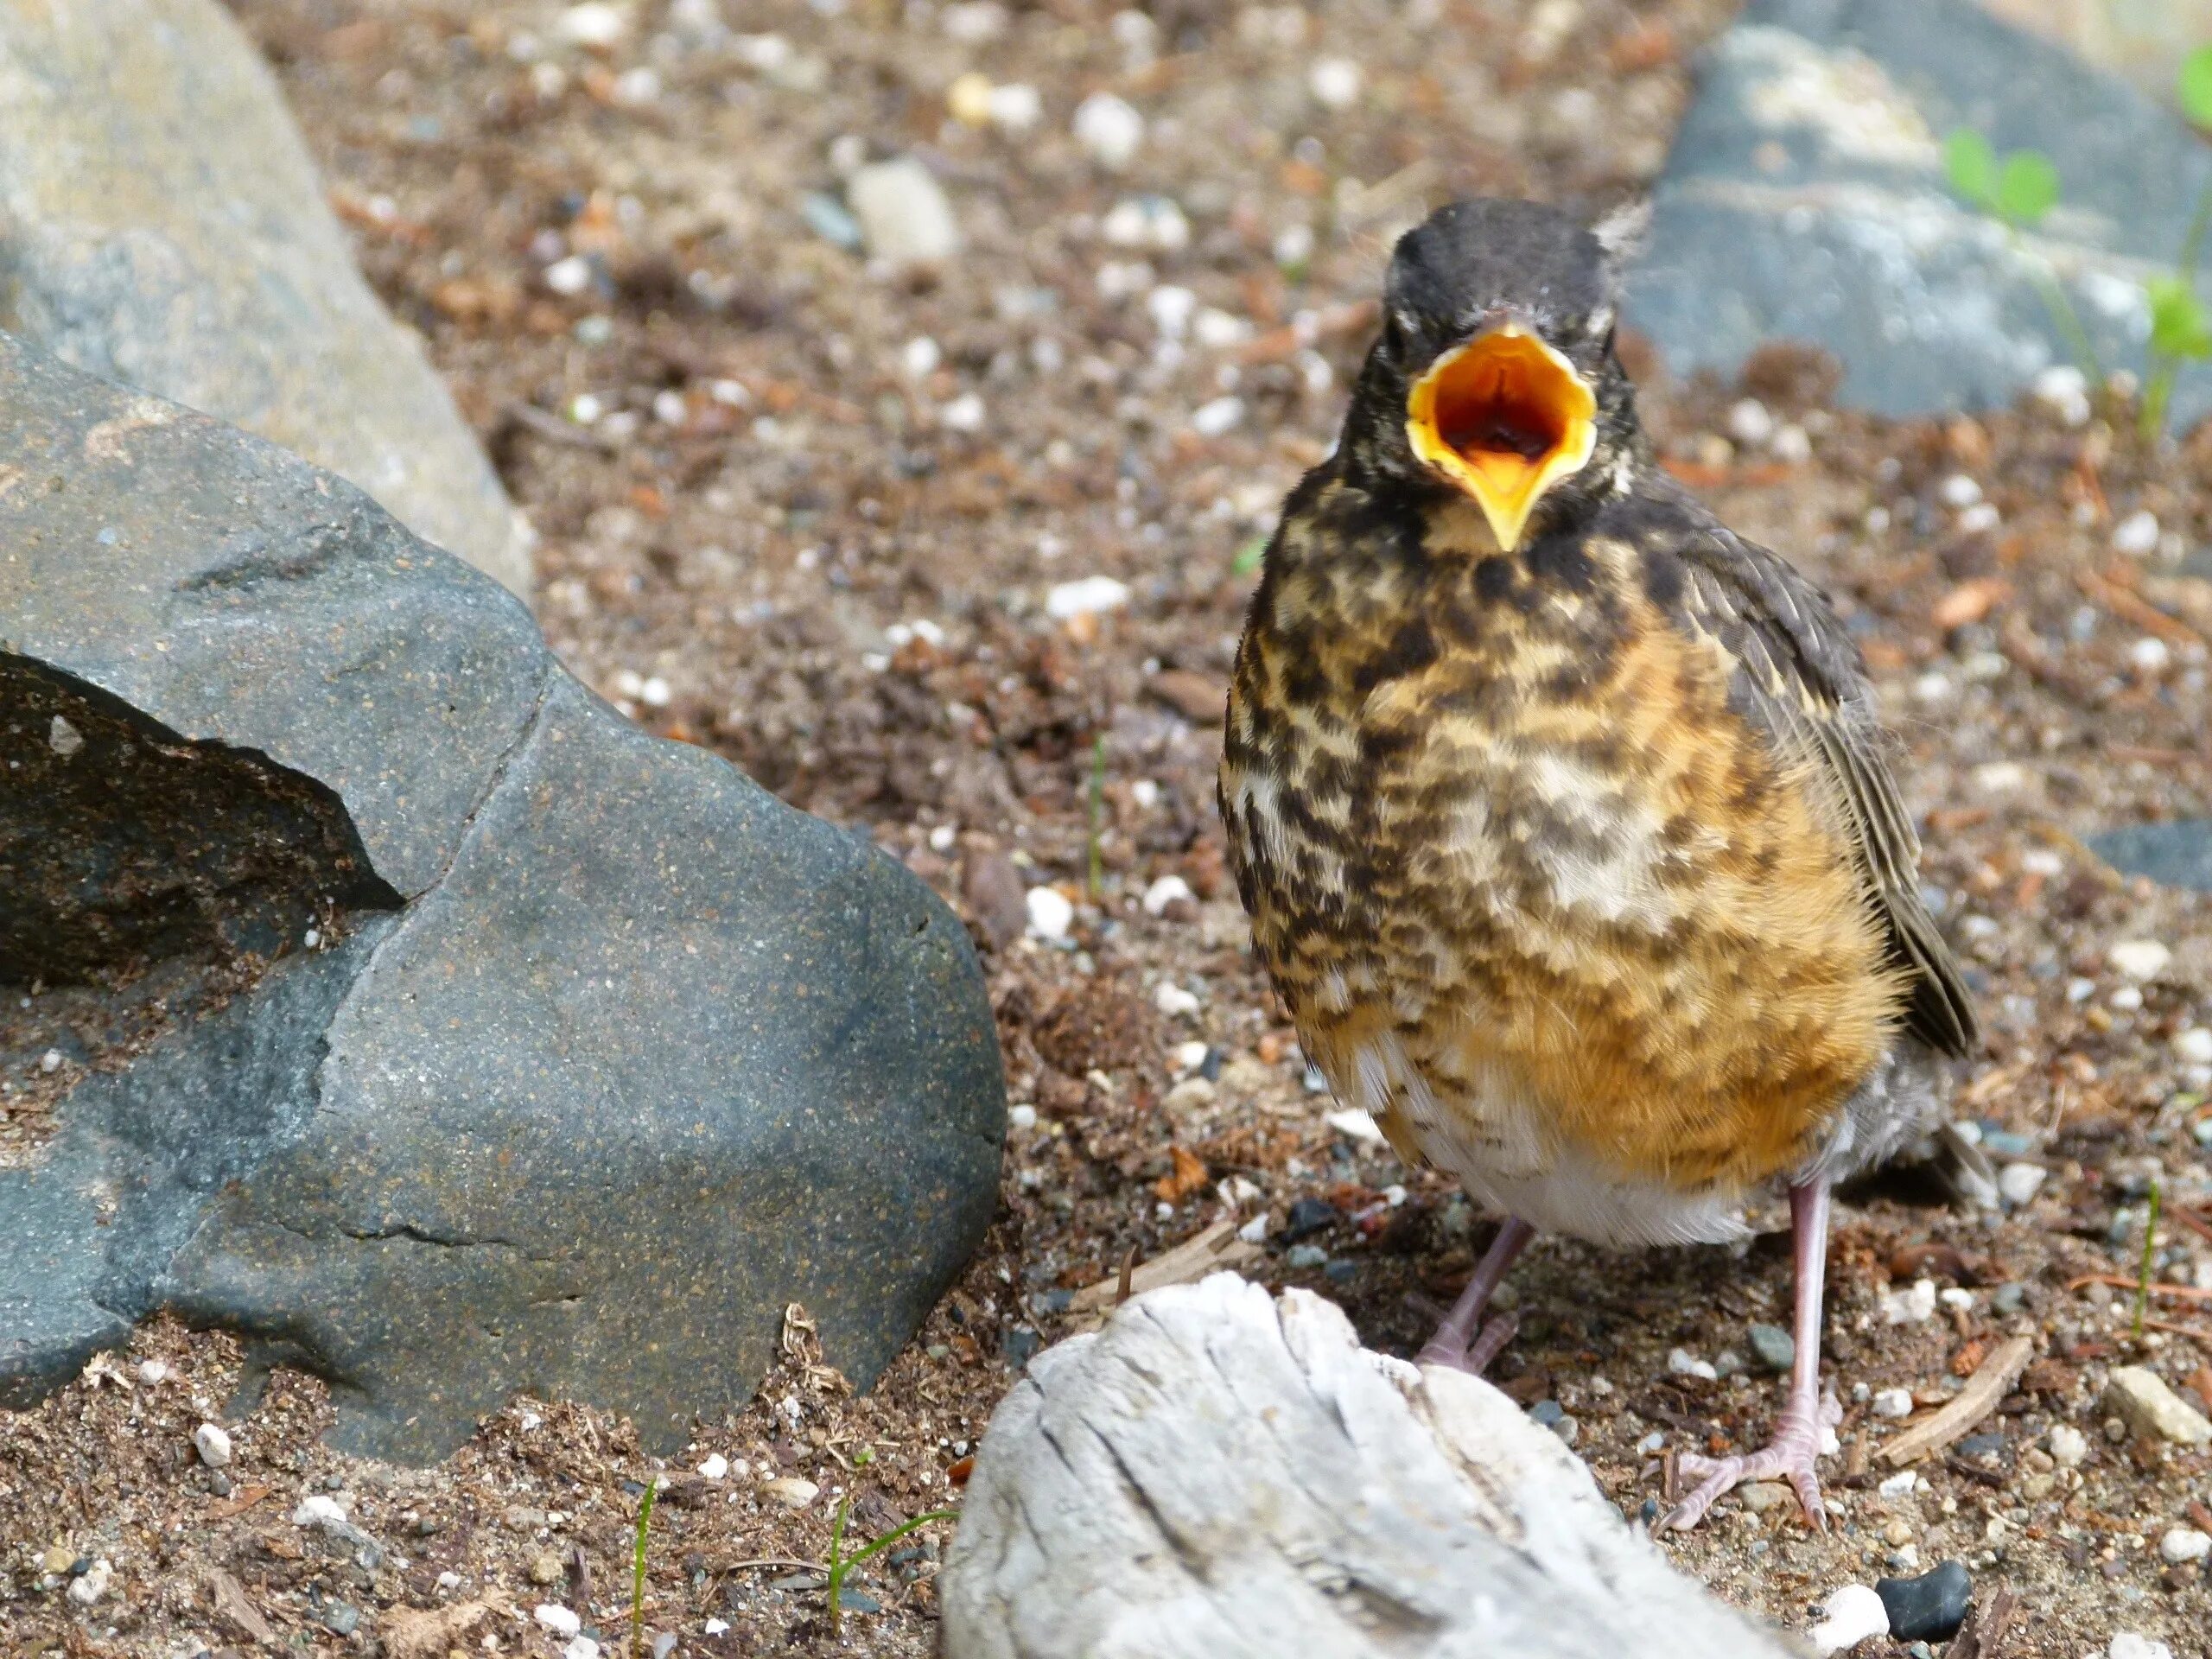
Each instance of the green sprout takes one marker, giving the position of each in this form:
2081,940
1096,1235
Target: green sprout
840,1563
1098,813
637,1570
2020,188
2143,1271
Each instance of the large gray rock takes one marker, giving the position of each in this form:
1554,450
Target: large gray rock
1805,198
430,1024
161,224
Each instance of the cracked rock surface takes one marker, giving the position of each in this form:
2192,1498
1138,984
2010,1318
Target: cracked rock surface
428,1024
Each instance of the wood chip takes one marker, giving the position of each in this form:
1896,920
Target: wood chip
1982,1635
1215,1250
238,1503
1970,602
1990,1384
232,1605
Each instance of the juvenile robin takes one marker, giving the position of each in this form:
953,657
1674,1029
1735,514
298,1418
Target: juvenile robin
1563,815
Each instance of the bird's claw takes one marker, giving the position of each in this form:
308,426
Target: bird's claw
1796,1444
1475,1357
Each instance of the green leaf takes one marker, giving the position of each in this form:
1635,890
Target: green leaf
2194,86
1971,165
2178,325
1249,556
2027,187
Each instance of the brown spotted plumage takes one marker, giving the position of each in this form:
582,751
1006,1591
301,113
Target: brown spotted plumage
1564,824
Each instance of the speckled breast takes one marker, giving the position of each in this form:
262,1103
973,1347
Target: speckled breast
1537,895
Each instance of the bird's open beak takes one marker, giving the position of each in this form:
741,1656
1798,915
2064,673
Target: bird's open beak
1506,418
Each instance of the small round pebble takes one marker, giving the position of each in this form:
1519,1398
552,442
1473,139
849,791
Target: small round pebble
1892,1402
545,1568
2069,1447
213,1442
1930,1607
1773,1347
793,1491
2183,1544
2128,1645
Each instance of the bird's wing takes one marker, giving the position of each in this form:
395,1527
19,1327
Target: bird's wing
1800,676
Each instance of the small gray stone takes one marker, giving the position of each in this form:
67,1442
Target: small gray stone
2176,853
1774,1348
340,1617
1305,1256
2008,1297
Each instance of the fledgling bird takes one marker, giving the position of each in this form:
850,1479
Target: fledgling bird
1563,814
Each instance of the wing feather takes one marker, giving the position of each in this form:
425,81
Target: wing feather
1801,677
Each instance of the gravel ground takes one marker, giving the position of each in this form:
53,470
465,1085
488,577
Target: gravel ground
957,554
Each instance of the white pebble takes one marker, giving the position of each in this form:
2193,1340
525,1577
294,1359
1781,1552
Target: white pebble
1168,890
963,414
1355,1125
793,1491
2018,1183
2128,1645
1790,443
1334,82
2137,534
1014,108
2065,389
1899,1484
1894,1404
449,1581
1021,1116
568,277
904,218
1145,793
50,1062
92,1584
1170,308
1959,491
1913,1306
942,838
1953,1297
62,738
1214,329
1978,518
213,1442
715,1466
1682,1362
1853,1613
1255,1229
2000,776
918,357
1148,222
318,1511
1089,596
592,24
562,1621
580,1647
1173,1001
2193,1047
2149,654
1210,420
1050,913
1109,128
2184,1544
655,692
1189,1057
2140,959
668,407
152,1371
2069,1447
1749,422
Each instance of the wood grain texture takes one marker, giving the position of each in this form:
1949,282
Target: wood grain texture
1219,1473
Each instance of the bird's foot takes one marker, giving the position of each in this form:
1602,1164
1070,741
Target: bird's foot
1798,1441
1472,1356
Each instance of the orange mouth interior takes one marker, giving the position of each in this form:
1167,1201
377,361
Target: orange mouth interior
1506,418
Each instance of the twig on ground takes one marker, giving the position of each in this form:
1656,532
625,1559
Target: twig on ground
1992,1380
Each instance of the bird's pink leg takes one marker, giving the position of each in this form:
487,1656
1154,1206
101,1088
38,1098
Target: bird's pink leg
1455,1342
1808,1415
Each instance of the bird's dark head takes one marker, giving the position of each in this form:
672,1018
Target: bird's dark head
1494,373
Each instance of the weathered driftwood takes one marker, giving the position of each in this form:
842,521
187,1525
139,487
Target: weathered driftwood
1219,1473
